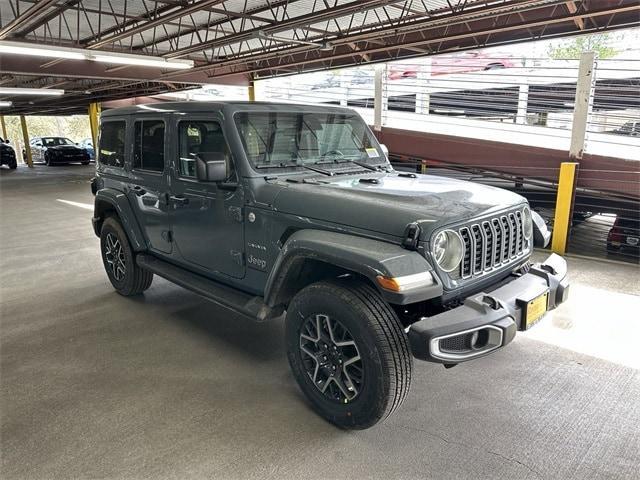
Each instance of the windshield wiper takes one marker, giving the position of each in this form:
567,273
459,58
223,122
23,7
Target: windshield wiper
307,167
316,169
375,168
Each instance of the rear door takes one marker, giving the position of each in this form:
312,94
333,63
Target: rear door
148,188
206,218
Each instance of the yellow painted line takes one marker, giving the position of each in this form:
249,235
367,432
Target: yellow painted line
562,219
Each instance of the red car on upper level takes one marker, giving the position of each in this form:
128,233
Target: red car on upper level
458,63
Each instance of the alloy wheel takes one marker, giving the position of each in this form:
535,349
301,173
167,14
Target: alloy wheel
114,254
331,358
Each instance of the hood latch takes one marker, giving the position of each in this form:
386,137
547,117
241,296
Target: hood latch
411,236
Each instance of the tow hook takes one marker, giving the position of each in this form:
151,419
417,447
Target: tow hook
492,302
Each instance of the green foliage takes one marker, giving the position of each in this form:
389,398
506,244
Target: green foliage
572,48
75,127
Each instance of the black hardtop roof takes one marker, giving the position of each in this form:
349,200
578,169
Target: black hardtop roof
228,107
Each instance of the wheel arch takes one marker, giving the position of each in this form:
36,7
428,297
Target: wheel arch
110,202
312,255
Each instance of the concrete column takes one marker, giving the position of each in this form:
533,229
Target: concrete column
252,90
523,102
583,104
422,88
379,96
94,122
564,206
25,138
345,82
4,127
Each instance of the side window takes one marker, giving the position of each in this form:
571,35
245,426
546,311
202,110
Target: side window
112,136
200,138
148,146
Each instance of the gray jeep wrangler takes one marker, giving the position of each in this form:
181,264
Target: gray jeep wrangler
268,209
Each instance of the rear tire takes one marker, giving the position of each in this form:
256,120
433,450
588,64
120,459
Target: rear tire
119,262
348,352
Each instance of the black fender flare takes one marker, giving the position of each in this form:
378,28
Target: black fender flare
110,199
367,257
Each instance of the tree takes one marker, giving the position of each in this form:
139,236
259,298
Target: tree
572,48
75,127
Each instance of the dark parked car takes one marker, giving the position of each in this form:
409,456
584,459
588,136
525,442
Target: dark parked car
55,150
7,154
629,129
269,209
624,235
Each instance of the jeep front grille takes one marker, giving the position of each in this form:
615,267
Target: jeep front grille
492,243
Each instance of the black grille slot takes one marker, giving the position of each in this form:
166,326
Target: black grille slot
478,251
488,251
459,343
493,243
465,268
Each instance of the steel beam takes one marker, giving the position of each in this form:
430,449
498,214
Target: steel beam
421,34
159,20
30,14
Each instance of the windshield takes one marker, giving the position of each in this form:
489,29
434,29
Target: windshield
279,139
55,141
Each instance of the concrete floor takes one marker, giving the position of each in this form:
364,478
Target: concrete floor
95,385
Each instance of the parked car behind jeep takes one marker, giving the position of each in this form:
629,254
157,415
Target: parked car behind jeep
269,209
56,150
7,154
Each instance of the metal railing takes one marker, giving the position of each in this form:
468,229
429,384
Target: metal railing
529,103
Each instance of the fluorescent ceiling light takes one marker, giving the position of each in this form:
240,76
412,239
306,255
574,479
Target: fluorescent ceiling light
5,103
140,60
20,48
30,91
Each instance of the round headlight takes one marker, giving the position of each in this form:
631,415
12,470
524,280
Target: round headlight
447,250
527,223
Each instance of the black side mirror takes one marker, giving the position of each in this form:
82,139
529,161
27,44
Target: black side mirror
211,167
7,141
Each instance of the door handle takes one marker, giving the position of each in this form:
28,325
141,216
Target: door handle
138,190
179,200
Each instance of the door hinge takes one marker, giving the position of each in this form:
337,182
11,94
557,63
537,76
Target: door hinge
238,257
235,213
167,236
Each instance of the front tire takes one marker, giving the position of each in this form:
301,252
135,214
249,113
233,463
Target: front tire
13,164
117,256
348,352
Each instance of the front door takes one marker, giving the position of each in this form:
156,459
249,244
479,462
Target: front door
148,183
206,217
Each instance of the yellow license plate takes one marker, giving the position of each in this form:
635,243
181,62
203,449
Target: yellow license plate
536,309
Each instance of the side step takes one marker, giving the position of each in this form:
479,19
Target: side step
228,297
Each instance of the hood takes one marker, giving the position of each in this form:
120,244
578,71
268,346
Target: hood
393,201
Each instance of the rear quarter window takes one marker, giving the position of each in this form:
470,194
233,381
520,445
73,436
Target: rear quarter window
112,143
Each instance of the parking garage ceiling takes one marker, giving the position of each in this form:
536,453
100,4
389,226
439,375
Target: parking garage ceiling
233,41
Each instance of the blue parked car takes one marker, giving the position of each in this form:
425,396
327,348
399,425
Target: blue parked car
87,144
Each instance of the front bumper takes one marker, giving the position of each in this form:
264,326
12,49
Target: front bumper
489,320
